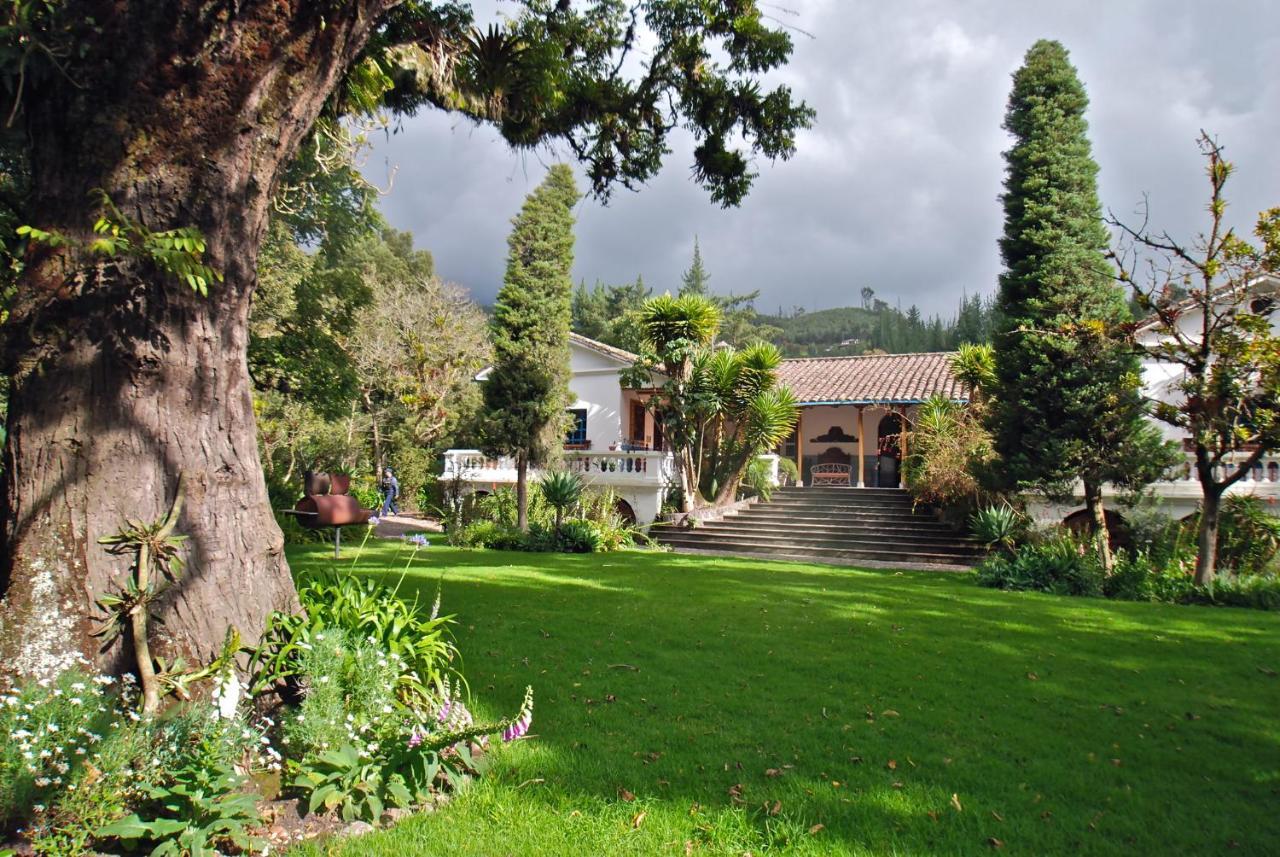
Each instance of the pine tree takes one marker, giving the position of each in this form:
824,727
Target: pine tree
527,391
694,281
1068,404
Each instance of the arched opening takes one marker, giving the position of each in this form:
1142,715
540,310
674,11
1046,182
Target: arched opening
1081,524
624,511
889,451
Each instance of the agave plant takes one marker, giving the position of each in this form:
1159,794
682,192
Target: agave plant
997,527
562,491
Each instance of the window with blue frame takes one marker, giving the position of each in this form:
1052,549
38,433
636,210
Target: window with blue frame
577,435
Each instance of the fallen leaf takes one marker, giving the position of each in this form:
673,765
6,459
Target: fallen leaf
638,820
893,765
1266,671
1033,676
772,772
1116,762
688,847
735,793
889,712
994,843
626,795
773,808
857,760
609,697
955,802
997,816
816,828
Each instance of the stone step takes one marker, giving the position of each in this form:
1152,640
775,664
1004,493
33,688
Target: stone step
886,554
859,541
894,532
765,516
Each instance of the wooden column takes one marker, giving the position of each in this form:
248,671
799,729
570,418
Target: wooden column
800,447
862,450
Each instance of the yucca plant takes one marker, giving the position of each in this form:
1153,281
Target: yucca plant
997,527
561,490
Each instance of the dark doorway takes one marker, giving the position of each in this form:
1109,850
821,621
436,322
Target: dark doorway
889,451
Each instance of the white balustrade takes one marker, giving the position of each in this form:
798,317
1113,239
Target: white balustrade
606,468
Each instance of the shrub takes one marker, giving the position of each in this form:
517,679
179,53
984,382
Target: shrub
949,446
579,537
561,491
756,480
477,534
998,527
1258,591
52,729
1248,535
363,608
1061,565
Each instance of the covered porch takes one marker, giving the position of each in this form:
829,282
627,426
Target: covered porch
856,414
861,446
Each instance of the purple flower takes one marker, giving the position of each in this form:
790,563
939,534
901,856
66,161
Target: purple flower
374,520
419,540
445,709
415,740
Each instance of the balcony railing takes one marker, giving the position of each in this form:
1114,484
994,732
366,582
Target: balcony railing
606,468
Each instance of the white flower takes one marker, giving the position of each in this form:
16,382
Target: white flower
51,727
226,694
324,679
79,685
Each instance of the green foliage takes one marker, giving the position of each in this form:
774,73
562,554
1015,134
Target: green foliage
719,407
526,392
561,490
1061,565
348,782
950,450
1226,398
552,71
999,527
1067,400
1248,535
610,314
975,367
415,638
579,537
757,479
879,328
197,812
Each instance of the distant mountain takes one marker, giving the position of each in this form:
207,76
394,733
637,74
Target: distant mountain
856,330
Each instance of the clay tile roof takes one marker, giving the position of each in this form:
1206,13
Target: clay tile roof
871,378
600,348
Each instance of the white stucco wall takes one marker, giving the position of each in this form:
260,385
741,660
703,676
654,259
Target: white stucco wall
597,387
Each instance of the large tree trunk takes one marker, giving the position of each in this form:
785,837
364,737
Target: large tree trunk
1207,549
522,492
122,379
1101,532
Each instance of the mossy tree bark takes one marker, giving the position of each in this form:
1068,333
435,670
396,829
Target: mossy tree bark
122,377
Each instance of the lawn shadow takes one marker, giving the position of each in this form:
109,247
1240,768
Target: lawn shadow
874,697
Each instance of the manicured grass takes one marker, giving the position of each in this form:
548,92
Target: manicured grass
904,712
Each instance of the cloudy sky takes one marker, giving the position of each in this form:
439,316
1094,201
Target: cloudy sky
895,187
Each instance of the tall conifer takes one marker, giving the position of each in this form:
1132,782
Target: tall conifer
527,391
1068,403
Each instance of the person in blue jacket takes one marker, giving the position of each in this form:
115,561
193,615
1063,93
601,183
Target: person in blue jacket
390,493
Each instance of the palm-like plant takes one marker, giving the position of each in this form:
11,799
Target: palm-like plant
562,491
975,367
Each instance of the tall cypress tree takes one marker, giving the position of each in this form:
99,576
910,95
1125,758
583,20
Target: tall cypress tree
694,280
527,391
1068,404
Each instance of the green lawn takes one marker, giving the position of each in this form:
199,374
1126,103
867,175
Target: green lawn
904,712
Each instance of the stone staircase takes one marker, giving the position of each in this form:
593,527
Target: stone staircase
827,524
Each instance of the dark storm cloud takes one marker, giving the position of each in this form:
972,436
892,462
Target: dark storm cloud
896,186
